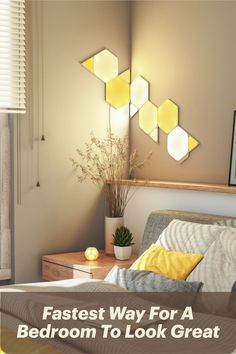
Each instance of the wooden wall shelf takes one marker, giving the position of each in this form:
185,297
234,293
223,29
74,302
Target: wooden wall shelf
203,187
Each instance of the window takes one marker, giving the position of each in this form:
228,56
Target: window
12,56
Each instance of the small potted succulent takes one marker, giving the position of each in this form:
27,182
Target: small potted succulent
122,241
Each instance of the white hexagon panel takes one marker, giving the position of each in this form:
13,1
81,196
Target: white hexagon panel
105,65
177,144
139,92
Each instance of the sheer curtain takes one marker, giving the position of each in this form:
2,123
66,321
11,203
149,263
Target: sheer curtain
5,188
12,100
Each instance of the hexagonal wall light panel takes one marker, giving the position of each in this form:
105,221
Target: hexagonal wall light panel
139,92
105,65
88,64
125,75
177,144
148,117
118,92
192,143
167,116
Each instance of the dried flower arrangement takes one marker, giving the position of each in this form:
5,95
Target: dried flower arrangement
109,160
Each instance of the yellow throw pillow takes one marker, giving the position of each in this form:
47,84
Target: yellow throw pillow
175,265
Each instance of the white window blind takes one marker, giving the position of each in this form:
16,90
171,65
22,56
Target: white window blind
12,56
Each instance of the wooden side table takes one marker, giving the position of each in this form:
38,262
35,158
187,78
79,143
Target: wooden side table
74,265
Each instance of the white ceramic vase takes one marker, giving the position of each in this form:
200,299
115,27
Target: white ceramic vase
111,224
123,253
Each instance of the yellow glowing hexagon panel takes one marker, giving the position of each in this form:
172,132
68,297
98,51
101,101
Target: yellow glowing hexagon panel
105,65
118,92
88,64
139,92
167,116
125,75
148,117
192,143
177,144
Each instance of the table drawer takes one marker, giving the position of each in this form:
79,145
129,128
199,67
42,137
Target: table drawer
52,271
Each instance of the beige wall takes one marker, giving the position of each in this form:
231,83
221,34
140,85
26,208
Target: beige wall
187,50
62,215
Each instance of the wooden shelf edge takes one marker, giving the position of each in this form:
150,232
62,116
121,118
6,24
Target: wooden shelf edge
203,187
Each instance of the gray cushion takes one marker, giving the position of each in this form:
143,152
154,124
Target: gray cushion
183,236
144,281
217,270
226,222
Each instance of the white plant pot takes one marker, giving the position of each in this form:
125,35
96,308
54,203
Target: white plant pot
111,224
123,253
